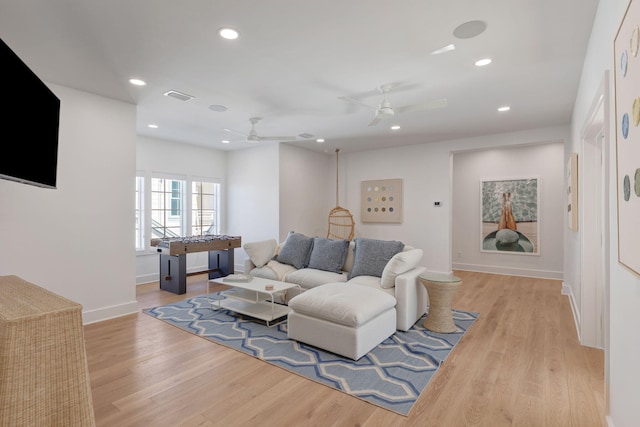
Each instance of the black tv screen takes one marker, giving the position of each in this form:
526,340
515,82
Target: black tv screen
32,111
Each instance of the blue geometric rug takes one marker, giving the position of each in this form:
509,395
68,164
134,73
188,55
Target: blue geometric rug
391,376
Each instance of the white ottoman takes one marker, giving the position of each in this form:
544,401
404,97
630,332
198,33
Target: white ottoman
346,319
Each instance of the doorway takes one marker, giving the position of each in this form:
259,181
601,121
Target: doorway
594,201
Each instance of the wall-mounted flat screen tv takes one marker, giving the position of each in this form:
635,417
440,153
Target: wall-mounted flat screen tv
30,152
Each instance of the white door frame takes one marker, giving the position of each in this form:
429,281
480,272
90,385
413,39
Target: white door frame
594,200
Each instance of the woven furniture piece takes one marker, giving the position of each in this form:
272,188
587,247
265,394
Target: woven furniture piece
440,290
44,379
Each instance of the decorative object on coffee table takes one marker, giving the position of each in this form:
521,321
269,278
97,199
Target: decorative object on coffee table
440,288
341,223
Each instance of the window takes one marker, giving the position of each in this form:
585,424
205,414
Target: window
173,206
140,239
204,207
167,217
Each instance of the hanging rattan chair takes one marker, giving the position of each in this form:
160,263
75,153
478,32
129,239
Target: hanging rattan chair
341,224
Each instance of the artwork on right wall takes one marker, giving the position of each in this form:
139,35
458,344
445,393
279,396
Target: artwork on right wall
627,115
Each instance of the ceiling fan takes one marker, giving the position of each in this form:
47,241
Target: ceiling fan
253,136
386,111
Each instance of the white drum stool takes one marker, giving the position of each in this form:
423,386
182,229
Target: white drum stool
346,319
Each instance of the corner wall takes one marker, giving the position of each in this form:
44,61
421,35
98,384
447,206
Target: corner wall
76,240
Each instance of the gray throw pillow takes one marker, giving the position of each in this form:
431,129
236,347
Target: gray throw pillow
371,256
295,250
328,254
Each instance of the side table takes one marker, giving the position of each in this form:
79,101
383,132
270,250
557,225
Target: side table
440,288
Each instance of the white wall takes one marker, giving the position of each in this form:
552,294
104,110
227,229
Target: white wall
546,162
304,184
426,173
76,240
253,195
622,372
190,162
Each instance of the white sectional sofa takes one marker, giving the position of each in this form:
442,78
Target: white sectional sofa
389,266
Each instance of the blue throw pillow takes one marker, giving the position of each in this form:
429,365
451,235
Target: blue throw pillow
328,254
371,256
295,250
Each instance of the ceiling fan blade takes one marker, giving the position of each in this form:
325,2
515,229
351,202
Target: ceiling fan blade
235,131
277,138
357,102
436,103
375,121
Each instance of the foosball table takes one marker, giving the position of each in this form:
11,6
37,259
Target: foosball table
173,258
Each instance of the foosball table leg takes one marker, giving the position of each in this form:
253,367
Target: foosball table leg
173,273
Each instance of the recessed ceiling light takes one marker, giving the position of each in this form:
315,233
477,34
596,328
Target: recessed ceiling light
447,48
225,141
152,126
228,33
217,108
483,62
395,127
137,82
320,140
505,108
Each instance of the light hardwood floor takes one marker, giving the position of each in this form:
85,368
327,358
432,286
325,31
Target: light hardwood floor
520,364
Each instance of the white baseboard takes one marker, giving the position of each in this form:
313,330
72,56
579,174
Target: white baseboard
111,312
566,290
510,271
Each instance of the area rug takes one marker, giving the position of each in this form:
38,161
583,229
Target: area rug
391,376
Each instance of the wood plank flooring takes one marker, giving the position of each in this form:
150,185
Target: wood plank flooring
519,365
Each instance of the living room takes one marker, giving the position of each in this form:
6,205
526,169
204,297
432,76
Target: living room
76,240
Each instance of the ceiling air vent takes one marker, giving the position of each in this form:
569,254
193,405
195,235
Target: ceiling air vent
178,95
305,135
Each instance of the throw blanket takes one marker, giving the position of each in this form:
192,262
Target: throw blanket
280,269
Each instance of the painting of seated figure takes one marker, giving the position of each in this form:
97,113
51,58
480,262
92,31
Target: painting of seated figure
509,210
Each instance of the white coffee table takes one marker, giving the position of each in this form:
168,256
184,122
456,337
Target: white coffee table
252,298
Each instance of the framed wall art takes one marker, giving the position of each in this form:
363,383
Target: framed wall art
572,192
509,210
381,200
627,105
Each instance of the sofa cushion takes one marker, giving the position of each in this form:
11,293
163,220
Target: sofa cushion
372,255
328,254
264,272
371,282
310,277
261,252
398,264
350,305
295,250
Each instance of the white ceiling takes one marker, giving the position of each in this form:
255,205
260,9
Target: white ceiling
295,59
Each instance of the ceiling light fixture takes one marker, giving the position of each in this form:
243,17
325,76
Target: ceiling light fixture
395,127
505,108
447,48
225,141
483,62
137,82
228,33
320,140
152,126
